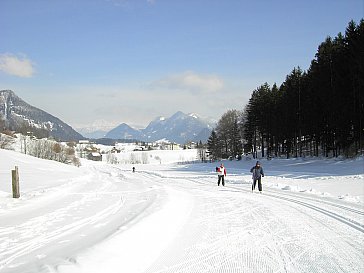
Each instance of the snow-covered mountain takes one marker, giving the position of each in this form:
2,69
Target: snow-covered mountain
93,134
178,128
98,129
124,131
18,114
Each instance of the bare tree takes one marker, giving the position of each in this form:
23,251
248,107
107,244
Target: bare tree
50,149
111,158
6,141
145,159
228,133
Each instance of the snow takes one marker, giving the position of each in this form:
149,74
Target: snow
170,216
193,115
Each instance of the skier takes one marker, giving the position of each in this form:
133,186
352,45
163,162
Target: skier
133,169
221,173
258,172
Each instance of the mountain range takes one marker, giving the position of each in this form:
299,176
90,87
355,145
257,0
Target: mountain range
18,115
178,128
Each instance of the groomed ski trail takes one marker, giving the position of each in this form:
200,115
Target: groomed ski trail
234,230
174,220
88,210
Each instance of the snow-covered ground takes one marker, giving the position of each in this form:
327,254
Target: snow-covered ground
172,217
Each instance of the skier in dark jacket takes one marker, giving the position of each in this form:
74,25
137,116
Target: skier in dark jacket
258,172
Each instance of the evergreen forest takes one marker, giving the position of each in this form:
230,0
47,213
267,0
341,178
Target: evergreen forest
318,112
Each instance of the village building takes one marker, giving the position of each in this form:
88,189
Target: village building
95,156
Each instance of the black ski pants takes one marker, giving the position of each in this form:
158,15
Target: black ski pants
259,184
221,178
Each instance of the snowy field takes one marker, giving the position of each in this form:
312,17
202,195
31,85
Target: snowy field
172,217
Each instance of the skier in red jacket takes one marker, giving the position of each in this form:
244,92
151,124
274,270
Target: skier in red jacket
221,173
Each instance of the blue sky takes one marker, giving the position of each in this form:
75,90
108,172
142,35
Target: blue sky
112,61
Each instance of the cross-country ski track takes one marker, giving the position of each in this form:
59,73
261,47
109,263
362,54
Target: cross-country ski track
172,219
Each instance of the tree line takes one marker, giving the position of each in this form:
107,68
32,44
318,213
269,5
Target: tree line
318,112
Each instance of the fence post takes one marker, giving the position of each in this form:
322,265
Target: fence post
15,182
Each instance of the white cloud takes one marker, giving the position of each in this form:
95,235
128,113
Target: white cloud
191,81
16,66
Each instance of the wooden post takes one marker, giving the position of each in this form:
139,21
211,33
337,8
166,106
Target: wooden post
15,182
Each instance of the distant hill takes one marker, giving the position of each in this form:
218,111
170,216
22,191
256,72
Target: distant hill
98,129
19,115
93,134
124,131
179,128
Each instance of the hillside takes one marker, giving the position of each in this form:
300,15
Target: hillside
21,116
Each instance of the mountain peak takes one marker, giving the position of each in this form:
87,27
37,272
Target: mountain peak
8,92
159,118
17,112
179,128
123,131
178,114
193,115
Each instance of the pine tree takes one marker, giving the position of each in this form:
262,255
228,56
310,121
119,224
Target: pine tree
212,146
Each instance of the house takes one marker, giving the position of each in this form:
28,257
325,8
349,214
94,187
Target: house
95,156
173,146
114,150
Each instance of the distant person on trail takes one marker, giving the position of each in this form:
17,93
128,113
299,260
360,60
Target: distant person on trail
133,169
221,173
258,172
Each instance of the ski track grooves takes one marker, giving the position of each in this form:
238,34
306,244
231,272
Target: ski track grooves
31,238
352,223
284,249
49,237
336,216
226,232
